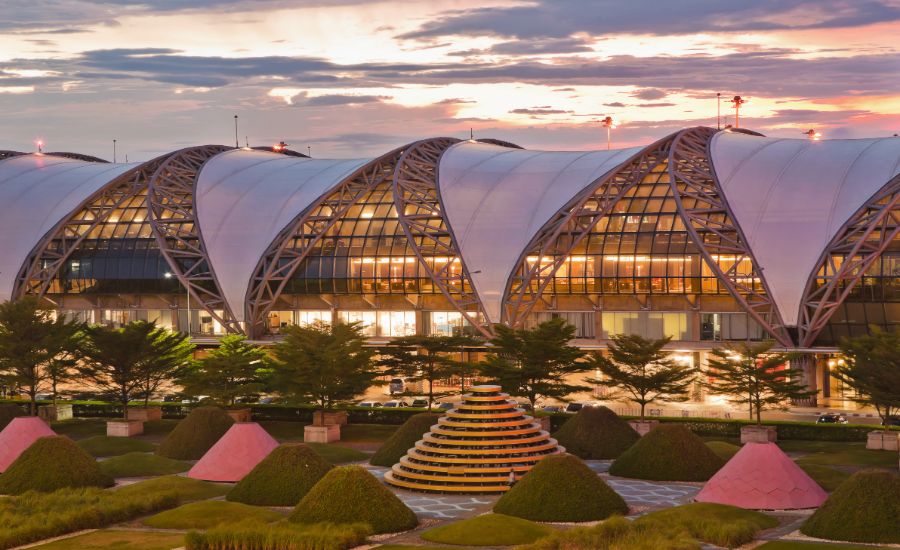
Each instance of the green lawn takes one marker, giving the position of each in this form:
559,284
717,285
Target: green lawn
338,454
118,540
210,513
142,465
790,545
712,523
488,530
829,453
160,427
80,428
723,449
827,477
352,433
185,487
102,445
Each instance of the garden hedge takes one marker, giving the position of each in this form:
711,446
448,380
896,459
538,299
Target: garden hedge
596,433
350,494
620,534
282,478
668,453
8,411
864,508
278,536
194,435
392,450
561,488
52,463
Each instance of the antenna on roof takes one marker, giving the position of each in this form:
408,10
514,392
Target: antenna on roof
471,134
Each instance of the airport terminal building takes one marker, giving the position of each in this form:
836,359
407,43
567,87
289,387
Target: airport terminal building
705,236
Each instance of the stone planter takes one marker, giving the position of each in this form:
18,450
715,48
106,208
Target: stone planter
642,427
887,441
52,413
239,415
124,428
322,434
145,414
759,434
329,418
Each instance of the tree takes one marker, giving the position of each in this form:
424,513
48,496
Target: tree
235,369
749,373
36,346
425,358
641,368
134,360
328,363
872,368
534,363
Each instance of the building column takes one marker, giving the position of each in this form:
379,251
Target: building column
805,367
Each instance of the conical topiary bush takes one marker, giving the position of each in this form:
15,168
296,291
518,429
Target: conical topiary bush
561,488
403,439
196,434
596,433
282,478
668,453
52,463
864,508
350,494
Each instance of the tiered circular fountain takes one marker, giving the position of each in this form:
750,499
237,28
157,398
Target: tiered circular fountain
474,447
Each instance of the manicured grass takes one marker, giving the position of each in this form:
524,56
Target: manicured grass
367,433
251,535
52,463
80,428
717,524
338,454
827,453
142,465
723,449
488,530
418,547
827,477
403,439
791,545
185,488
617,533
159,427
668,452
210,513
102,445
118,540
284,430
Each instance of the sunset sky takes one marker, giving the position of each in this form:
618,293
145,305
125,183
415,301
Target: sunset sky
354,78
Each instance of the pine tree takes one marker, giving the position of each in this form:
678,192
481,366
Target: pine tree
872,368
235,369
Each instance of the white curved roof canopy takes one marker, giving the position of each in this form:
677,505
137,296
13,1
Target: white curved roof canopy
37,192
245,198
496,199
792,196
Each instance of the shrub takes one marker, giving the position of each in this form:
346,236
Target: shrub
37,516
278,536
52,463
102,445
865,508
194,435
337,454
488,530
210,513
617,533
282,478
717,524
142,465
403,439
596,433
668,453
184,488
561,488
8,411
723,449
350,494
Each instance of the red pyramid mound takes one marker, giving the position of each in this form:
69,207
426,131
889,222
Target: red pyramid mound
242,447
18,436
761,477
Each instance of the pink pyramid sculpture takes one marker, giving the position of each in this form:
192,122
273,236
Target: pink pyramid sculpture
761,477
18,435
242,447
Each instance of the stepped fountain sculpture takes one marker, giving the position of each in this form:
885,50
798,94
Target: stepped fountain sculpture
481,446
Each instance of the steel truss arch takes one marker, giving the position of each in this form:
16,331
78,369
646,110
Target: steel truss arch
43,263
420,214
569,226
852,251
280,260
713,227
173,219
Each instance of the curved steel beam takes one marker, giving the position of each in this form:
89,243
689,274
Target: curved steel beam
714,229
570,225
170,202
45,260
420,213
852,251
281,259
77,156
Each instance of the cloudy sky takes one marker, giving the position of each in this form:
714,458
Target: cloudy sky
355,78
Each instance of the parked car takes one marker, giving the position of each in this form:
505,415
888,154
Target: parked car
525,405
419,403
551,408
574,407
369,404
396,404
396,385
445,406
892,421
831,418
269,400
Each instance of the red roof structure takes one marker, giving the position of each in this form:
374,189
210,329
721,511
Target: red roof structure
18,436
242,447
761,477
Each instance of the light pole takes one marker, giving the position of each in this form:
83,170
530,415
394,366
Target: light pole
737,101
718,110
169,275
812,135
114,151
609,125
236,142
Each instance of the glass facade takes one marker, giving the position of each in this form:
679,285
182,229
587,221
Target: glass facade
583,321
729,326
649,324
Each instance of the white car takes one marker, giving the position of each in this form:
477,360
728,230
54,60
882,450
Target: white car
369,404
395,404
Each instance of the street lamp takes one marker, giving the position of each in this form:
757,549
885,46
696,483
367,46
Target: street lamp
609,125
40,145
168,275
737,101
813,135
